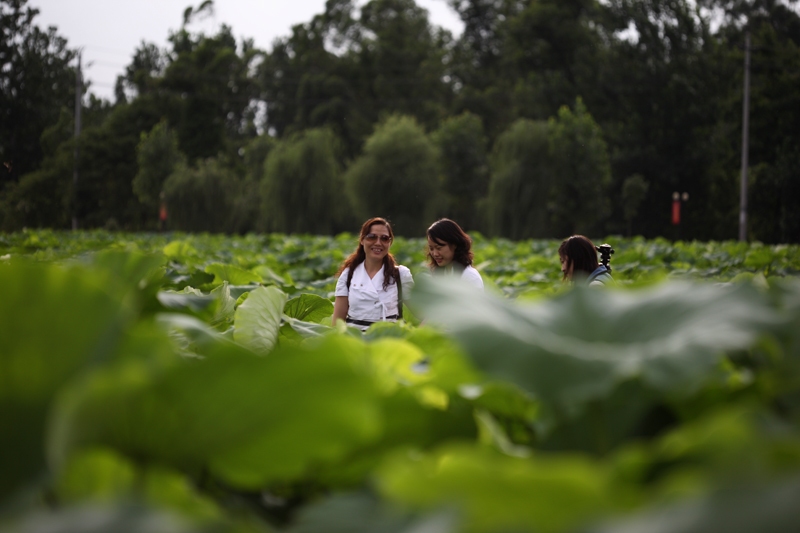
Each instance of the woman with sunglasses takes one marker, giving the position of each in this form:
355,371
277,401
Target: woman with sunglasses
450,252
371,284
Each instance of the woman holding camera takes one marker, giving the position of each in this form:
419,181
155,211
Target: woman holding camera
371,284
578,257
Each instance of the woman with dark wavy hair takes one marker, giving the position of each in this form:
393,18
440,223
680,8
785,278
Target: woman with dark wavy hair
450,252
578,256
371,283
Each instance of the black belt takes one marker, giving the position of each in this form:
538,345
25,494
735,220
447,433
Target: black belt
367,322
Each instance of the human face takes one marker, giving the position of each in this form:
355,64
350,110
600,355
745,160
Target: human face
441,253
566,267
376,242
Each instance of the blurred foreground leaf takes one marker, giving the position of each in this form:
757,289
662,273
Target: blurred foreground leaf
495,492
751,509
54,321
250,420
582,344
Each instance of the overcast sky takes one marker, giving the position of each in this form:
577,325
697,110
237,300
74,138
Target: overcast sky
109,31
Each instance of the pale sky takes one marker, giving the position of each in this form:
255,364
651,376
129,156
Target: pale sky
109,31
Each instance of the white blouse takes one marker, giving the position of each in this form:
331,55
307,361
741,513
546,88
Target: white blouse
367,300
473,277
470,275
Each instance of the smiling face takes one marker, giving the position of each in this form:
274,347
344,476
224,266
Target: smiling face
442,253
376,242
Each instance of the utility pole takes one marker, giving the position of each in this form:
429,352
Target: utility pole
745,139
76,152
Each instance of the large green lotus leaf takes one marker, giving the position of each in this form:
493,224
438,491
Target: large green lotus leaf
216,307
309,308
181,251
629,411
249,419
448,366
191,336
409,425
787,295
130,274
232,274
393,362
579,345
502,399
296,331
497,492
760,508
187,300
119,518
258,319
130,268
365,513
54,321
105,475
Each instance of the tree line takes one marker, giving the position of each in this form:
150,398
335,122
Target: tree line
542,119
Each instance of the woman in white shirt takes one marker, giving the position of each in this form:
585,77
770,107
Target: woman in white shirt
450,252
371,284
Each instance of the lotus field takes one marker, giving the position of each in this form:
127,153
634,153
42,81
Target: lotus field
182,383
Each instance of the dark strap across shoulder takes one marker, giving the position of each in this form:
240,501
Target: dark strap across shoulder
399,291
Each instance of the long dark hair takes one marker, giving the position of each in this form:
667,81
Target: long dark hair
580,252
444,231
358,257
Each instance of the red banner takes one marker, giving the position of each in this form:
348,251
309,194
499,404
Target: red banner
676,212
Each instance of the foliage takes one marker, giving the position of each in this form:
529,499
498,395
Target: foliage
158,156
210,76
521,181
396,177
36,82
579,202
302,189
200,199
465,168
661,82
634,190
196,385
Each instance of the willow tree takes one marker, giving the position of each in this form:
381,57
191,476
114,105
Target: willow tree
519,188
464,167
302,189
397,176
579,197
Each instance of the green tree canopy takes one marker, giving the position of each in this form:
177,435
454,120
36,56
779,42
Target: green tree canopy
396,177
465,168
302,189
36,82
158,156
522,177
579,199
201,198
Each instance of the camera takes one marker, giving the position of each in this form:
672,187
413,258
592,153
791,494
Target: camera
605,255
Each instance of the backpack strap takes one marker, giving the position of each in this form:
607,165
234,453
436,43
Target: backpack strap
350,276
399,292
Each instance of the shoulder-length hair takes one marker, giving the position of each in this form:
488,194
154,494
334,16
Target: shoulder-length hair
581,254
444,231
358,256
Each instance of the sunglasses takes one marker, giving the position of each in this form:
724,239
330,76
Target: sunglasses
371,237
